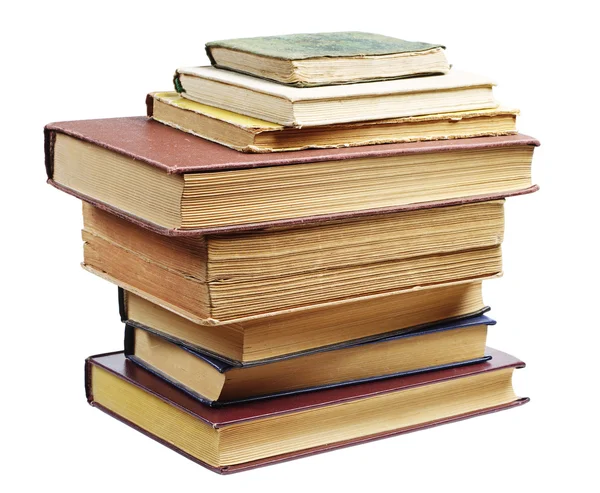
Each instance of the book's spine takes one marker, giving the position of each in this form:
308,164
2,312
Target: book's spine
49,141
149,105
88,381
177,83
129,340
210,56
122,305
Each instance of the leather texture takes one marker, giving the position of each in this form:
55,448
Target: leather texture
174,151
118,365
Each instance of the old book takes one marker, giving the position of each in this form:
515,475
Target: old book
236,276
247,134
175,184
216,382
326,105
242,436
307,329
328,58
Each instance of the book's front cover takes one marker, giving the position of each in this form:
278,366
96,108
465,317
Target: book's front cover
316,45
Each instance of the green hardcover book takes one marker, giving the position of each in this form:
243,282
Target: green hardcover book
328,58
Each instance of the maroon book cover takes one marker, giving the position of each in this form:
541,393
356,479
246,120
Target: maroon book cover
118,365
176,152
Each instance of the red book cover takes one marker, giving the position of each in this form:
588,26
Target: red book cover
178,153
117,365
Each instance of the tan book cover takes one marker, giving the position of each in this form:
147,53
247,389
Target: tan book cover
247,134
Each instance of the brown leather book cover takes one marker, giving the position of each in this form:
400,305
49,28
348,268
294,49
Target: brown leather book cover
176,152
118,365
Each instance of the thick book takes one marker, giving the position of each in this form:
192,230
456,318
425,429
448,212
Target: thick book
252,434
326,105
216,382
231,277
316,59
160,177
309,329
246,134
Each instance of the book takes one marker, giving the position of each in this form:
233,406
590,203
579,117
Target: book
247,134
236,276
243,436
174,184
328,58
308,329
216,382
326,105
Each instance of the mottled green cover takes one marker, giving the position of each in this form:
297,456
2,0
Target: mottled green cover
338,44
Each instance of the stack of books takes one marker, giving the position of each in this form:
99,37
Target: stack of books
299,235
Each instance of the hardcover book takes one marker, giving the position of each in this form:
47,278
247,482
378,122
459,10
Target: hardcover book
306,330
310,106
328,58
243,436
160,177
236,276
216,382
247,134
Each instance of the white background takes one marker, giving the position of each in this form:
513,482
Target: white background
81,60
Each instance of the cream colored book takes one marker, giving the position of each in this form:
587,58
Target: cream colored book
325,105
248,134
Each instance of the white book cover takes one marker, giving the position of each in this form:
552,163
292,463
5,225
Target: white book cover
452,80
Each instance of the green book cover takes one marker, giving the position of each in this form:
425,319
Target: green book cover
337,44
